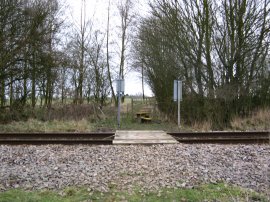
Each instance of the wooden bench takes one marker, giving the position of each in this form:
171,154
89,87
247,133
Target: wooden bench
143,114
146,120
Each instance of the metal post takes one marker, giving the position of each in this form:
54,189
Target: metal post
120,88
178,98
118,115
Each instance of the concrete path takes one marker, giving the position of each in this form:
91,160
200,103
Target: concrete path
143,137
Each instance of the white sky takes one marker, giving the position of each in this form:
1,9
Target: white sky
96,10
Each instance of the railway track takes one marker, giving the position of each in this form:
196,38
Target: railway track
228,137
56,138
251,137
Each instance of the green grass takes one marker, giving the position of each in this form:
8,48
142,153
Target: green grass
69,195
129,123
210,192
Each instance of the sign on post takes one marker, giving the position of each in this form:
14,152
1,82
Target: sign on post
177,90
120,86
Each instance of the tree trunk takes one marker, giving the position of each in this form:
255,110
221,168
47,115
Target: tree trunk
25,83
198,68
33,93
142,82
208,30
62,89
80,88
11,91
2,89
108,57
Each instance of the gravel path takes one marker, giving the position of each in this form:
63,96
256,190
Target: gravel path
126,167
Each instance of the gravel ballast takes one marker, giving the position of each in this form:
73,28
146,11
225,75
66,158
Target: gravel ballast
127,167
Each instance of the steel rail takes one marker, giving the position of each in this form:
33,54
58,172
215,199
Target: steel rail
224,137
56,138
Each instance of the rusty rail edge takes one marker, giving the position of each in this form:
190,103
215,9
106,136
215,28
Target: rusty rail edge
223,137
57,138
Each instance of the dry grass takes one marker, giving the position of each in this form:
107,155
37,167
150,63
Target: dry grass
259,120
33,125
86,118
202,126
70,112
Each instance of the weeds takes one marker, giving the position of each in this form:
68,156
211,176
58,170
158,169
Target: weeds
34,125
202,126
259,120
87,118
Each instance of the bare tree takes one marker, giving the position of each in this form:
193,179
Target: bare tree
79,45
127,18
108,55
24,37
242,44
97,61
219,48
13,37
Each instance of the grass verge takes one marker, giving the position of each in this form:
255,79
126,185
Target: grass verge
259,120
34,125
84,125
129,123
210,192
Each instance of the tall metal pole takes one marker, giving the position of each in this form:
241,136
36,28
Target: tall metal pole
120,88
178,98
118,115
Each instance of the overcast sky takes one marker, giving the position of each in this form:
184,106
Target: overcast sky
96,10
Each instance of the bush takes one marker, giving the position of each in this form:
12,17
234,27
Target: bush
58,112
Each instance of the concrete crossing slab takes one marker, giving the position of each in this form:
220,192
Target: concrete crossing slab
143,137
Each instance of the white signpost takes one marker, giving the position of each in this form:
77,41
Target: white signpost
177,96
120,89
